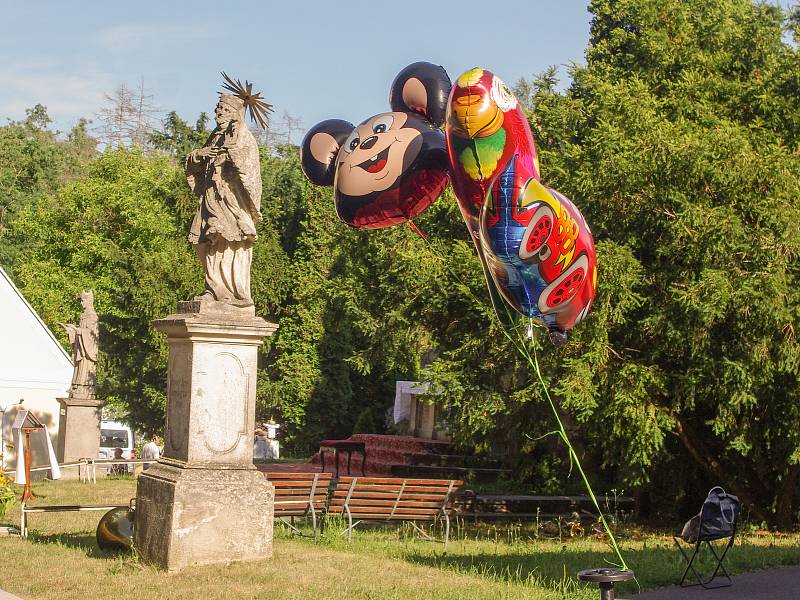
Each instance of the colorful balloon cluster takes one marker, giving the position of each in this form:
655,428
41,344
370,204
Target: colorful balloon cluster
535,246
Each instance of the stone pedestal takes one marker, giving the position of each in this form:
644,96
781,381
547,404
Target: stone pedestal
78,431
204,502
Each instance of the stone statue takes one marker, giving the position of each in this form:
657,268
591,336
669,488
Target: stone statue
225,175
83,339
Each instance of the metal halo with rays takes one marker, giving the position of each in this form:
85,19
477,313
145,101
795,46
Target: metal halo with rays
259,109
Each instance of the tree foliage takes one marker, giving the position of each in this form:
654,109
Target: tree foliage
35,162
115,230
177,137
679,140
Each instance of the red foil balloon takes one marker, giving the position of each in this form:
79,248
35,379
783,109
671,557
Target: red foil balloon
534,243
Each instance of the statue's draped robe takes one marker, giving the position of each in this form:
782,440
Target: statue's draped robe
83,339
223,229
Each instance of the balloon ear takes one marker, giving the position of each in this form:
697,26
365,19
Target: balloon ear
320,147
423,88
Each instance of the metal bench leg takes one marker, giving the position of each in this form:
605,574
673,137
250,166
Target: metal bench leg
314,524
322,458
349,457
363,463
421,531
290,525
446,529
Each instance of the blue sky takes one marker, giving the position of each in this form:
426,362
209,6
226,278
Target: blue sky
315,59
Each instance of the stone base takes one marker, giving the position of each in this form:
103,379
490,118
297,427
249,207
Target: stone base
202,516
78,431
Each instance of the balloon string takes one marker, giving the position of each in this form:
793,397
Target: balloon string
417,230
534,362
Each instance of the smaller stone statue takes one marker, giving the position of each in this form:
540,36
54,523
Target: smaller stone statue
83,339
225,175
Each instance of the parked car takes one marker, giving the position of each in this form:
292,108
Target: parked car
113,435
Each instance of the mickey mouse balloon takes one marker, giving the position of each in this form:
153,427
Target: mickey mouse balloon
392,166
533,241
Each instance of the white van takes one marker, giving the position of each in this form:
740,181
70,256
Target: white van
113,435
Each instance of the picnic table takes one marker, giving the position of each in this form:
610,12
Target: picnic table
348,446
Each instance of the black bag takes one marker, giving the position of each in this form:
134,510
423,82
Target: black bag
716,520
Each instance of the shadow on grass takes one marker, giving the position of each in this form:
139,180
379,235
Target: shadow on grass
87,543
554,569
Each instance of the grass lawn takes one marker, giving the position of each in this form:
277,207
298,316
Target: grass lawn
61,560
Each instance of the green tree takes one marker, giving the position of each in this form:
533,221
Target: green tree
177,137
115,231
679,140
35,162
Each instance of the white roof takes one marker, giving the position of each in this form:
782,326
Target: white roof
30,355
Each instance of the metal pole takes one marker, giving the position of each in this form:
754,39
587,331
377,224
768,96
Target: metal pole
607,591
27,494
2,438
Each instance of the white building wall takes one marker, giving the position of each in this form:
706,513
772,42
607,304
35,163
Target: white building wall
33,367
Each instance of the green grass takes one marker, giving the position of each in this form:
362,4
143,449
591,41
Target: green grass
61,559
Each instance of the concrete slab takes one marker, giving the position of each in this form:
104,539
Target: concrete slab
7,596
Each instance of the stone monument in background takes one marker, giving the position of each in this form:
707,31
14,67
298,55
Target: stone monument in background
204,501
80,413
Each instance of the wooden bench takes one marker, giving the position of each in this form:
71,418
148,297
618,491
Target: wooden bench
25,510
393,499
300,495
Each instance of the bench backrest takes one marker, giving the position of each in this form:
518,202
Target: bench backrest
298,493
390,498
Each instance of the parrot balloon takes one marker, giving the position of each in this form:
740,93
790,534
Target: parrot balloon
533,242
392,166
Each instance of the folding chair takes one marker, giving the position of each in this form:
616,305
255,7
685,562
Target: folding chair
716,521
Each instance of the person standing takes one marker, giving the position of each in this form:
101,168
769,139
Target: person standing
151,451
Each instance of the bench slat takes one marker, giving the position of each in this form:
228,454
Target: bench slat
385,515
293,483
422,489
299,491
439,497
400,480
394,518
377,510
305,496
401,503
300,476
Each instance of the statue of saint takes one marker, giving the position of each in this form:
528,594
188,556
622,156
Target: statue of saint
225,175
83,339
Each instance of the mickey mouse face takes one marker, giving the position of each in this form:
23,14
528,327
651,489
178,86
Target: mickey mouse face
376,154
392,166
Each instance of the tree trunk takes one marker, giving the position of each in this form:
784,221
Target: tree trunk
708,461
784,508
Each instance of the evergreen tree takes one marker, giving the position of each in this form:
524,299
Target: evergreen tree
679,140
177,137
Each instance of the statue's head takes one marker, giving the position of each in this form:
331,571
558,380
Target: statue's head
229,108
87,299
